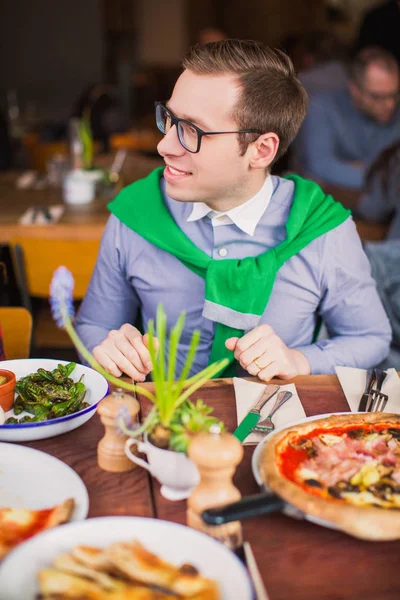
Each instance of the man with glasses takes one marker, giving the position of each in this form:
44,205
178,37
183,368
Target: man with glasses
345,130
255,260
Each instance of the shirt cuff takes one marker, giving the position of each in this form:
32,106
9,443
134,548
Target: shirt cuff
316,356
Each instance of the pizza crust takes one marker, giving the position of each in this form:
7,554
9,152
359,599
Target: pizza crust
61,513
366,522
13,526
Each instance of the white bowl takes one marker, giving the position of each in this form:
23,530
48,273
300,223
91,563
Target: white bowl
96,389
175,543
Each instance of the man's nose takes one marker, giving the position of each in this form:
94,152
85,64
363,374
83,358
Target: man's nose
170,144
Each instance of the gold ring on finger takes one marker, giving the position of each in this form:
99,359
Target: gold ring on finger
258,364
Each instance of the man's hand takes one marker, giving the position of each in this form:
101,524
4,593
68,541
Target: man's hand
263,354
125,351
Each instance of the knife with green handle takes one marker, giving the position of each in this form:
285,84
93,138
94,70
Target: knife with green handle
253,416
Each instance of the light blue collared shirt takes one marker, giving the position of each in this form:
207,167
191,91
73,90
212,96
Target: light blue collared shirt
330,277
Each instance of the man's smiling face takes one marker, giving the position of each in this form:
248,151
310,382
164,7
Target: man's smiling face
217,175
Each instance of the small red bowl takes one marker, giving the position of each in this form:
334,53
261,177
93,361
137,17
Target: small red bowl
7,389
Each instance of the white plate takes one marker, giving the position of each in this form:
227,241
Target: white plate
33,479
175,543
96,389
257,452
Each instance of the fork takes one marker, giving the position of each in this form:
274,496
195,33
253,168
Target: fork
266,425
378,400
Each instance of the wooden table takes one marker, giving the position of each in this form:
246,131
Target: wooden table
298,560
84,222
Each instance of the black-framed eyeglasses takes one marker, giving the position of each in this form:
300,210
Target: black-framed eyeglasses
376,97
189,135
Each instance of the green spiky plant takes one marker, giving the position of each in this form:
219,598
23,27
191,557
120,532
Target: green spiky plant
174,418
86,139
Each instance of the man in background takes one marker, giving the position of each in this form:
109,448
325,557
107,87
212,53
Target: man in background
346,129
323,69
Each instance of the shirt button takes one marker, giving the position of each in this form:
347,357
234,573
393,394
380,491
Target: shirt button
222,252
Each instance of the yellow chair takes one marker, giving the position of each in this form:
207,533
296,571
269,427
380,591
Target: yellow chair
16,327
35,261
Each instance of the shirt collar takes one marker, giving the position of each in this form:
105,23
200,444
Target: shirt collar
245,216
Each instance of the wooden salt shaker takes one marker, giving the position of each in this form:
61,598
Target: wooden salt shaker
216,455
110,450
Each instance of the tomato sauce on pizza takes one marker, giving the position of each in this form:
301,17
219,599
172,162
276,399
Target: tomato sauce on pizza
358,464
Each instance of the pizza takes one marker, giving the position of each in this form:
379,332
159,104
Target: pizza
122,571
19,524
344,469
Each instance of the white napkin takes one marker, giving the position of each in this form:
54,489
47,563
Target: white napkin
35,216
26,180
247,394
353,383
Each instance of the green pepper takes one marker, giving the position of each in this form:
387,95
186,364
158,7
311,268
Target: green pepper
19,406
49,394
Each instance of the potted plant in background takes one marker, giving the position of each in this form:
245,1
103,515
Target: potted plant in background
80,183
174,418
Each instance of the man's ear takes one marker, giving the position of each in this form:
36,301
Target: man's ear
263,150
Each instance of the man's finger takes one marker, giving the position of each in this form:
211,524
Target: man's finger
253,336
271,371
125,365
230,343
106,362
257,351
129,351
139,346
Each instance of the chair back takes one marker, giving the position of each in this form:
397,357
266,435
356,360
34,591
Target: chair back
16,327
36,260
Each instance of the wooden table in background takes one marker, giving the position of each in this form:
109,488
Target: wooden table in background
84,222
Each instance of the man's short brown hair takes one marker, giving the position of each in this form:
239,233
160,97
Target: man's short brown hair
272,99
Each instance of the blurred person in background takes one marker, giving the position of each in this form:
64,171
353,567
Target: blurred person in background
345,130
320,59
323,67
380,201
381,27
384,258
255,260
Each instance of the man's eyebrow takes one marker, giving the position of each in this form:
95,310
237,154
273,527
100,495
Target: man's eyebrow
193,120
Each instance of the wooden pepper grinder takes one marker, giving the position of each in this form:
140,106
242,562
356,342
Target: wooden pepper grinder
110,450
216,455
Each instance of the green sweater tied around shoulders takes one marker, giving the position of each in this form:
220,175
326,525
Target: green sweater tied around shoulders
236,290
